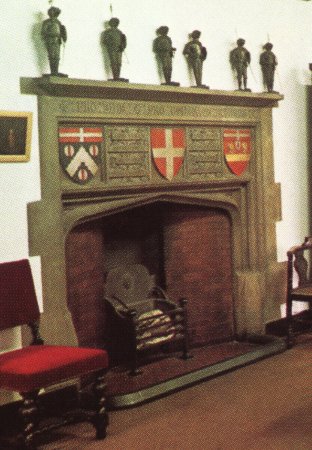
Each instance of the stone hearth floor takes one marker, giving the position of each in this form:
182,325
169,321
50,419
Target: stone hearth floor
158,378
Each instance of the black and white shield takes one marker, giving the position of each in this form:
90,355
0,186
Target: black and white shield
80,152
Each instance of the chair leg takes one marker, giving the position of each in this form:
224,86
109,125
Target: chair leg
29,415
100,420
290,336
290,331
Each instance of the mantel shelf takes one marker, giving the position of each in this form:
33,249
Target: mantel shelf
82,88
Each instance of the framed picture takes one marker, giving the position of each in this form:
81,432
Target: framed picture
15,136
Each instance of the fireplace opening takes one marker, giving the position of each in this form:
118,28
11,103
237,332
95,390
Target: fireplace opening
186,247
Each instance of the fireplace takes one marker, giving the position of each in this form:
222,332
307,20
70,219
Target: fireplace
186,247
206,230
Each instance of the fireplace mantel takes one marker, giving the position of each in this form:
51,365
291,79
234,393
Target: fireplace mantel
252,200
78,88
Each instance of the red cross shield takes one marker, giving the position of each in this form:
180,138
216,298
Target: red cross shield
237,149
168,147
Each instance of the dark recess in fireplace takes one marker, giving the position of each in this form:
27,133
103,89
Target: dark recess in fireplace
186,247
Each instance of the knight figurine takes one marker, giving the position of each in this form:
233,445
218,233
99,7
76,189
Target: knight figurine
240,59
54,35
268,63
162,47
196,53
115,42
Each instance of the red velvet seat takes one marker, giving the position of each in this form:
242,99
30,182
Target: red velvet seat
29,369
39,366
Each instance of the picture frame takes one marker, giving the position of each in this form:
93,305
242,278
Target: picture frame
15,136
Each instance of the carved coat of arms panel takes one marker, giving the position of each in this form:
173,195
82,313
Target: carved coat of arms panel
237,149
120,155
80,150
168,148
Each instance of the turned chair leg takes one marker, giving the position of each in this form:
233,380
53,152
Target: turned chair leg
290,331
290,334
29,415
100,420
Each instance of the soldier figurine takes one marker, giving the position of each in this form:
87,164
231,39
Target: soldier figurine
54,34
196,53
162,46
115,42
268,63
240,59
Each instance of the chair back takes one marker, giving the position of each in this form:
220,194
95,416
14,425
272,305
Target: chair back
300,259
18,301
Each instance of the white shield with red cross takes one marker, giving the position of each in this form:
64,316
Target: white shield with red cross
80,152
168,147
237,149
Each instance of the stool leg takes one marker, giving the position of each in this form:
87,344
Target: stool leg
100,420
29,414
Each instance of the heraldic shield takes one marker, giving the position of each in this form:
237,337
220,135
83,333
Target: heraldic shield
168,147
237,149
80,152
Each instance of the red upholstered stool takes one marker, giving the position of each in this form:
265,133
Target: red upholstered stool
29,369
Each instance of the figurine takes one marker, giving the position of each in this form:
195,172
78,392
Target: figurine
196,53
240,59
268,63
54,34
162,46
115,42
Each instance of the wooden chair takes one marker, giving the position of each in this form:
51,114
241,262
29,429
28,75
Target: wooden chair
299,262
37,366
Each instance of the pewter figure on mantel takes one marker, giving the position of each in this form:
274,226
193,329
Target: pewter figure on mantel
196,53
115,42
162,46
268,63
240,59
54,35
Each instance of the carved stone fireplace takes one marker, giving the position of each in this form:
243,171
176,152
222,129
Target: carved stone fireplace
207,234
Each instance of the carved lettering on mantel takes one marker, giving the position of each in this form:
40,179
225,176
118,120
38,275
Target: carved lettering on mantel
127,155
149,111
204,152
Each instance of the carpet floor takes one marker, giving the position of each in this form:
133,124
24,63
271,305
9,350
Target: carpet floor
264,406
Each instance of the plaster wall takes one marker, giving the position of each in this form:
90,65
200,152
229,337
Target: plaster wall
285,22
